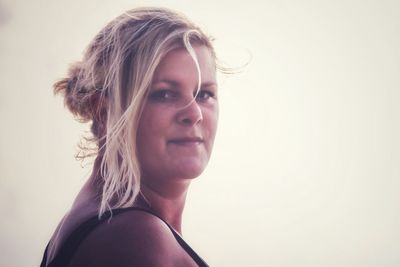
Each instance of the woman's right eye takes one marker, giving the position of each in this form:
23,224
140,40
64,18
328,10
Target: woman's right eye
163,95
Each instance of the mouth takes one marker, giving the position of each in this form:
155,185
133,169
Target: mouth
186,141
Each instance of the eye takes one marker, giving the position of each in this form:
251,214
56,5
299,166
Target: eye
163,95
204,95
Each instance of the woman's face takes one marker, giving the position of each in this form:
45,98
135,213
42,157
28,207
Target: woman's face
177,128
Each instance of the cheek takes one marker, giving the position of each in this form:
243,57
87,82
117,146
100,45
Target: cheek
213,119
144,133
211,125
216,116
152,129
151,120
148,142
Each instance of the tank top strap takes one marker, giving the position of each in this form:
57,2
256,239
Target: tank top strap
71,244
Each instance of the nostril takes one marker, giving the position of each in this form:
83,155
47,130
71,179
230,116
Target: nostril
191,120
190,114
187,121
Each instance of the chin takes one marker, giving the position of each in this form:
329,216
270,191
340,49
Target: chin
190,173
189,170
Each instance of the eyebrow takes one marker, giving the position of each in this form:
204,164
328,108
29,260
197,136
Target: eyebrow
176,83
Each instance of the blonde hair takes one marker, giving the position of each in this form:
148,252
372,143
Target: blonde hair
109,87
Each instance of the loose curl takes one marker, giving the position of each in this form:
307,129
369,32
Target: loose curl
109,86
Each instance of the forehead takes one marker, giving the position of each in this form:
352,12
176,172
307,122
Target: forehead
179,65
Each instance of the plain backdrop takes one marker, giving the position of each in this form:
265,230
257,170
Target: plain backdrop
306,165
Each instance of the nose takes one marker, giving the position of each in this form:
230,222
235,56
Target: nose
190,114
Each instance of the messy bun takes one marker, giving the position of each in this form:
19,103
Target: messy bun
110,85
77,97
83,99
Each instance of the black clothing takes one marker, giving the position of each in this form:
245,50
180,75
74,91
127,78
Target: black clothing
71,244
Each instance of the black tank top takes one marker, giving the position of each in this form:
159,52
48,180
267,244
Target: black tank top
71,244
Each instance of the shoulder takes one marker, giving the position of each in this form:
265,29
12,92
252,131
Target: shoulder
133,238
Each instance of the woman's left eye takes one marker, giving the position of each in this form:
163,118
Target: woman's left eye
204,95
163,95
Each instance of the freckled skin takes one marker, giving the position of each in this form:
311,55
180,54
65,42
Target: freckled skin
171,114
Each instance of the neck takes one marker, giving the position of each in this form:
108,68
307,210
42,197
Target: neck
166,199
168,204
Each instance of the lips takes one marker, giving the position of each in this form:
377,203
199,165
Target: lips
186,141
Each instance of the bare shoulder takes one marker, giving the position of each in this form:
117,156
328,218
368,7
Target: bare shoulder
133,238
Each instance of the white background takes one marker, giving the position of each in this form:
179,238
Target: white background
306,166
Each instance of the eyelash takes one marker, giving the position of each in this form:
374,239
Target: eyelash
161,95
165,95
201,96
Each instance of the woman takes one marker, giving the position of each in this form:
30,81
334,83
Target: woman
147,83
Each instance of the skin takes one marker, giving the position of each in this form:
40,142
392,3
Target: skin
175,138
177,129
